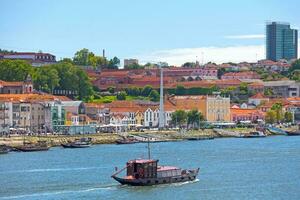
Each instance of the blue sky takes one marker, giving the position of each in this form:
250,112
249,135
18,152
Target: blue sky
158,30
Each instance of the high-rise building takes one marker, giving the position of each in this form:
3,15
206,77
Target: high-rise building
281,41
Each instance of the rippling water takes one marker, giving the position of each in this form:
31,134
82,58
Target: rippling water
258,168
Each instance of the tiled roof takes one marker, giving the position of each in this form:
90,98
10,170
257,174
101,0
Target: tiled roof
30,97
11,83
259,96
240,111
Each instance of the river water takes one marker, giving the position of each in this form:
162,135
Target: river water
232,168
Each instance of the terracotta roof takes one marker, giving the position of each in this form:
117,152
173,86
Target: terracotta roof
114,73
31,97
11,83
258,96
293,99
240,111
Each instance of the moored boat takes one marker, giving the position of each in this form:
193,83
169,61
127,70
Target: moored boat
78,143
293,133
201,138
4,149
254,134
28,147
126,141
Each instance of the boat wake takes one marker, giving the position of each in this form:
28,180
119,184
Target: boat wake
61,192
53,170
186,182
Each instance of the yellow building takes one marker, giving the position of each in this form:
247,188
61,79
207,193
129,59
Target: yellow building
214,108
217,109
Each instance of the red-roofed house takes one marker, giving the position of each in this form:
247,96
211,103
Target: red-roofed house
35,59
20,87
238,114
257,99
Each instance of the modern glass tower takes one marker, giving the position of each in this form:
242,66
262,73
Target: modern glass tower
281,42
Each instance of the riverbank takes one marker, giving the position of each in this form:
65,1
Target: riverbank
110,138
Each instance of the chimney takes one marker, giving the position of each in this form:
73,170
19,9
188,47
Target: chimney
103,53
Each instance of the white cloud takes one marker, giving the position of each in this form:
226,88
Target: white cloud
205,54
257,36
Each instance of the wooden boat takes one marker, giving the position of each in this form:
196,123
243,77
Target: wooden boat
293,133
145,172
126,141
28,147
254,134
78,143
200,138
4,149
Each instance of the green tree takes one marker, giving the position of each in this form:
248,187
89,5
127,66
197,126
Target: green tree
228,90
179,118
288,117
154,96
243,88
46,79
194,117
189,65
121,95
111,89
295,66
15,70
277,108
180,90
295,75
73,79
146,90
114,63
270,117
133,91
268,92
66,60
82,57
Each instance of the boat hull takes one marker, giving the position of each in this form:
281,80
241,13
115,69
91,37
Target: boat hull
125,142
289,133
74,146
157,181
30,149
4,151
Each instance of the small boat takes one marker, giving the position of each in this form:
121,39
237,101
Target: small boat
146,172
4,149
276,131
254,134
126,141
201,138
28,147
293,133
78,143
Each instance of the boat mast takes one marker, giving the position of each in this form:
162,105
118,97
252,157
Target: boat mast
148,146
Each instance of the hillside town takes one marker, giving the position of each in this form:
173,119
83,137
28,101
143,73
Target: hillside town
224,94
